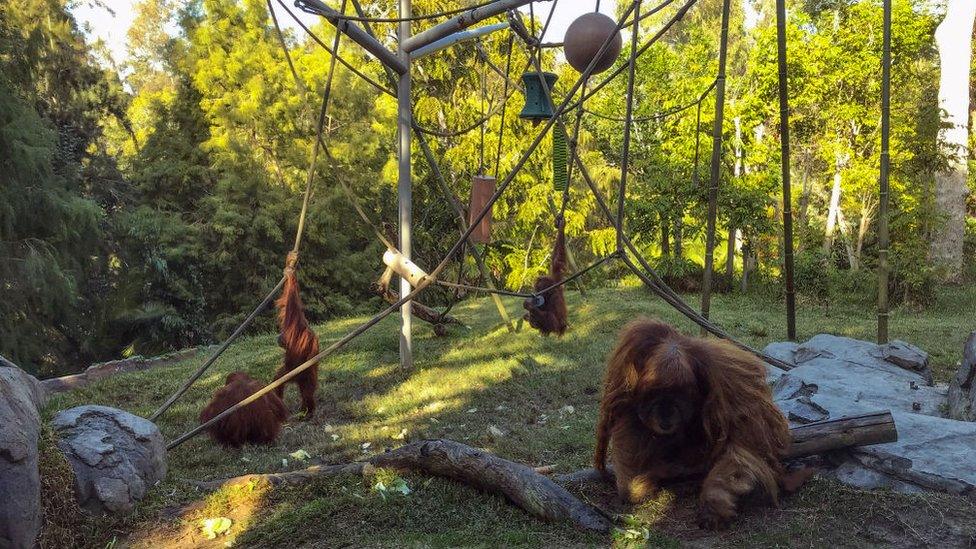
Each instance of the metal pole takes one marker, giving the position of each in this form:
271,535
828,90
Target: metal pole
716,170
357,34
784,143
459,23
404,190
883,195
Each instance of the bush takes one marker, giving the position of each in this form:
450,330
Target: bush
682,274
912,279
818,277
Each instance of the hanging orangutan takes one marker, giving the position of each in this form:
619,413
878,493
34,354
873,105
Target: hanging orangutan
546,311
257,423
297,339
676,407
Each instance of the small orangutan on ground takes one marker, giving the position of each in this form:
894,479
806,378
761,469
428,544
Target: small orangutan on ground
256,423
677,407
546,311
297,339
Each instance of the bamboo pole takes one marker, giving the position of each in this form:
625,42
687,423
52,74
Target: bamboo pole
716,168
883,237
784,139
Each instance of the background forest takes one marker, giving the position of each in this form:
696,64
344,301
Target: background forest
147,206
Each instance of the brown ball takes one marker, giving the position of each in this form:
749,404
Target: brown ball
584,38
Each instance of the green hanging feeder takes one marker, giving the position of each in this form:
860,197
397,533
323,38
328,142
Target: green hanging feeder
538,104
560,157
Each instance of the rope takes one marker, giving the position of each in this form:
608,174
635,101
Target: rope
501,127
484,92
467,129
528,295
326,96
298,232
660,115
625,147
220,350
335,53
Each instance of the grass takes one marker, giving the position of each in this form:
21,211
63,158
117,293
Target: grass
540,392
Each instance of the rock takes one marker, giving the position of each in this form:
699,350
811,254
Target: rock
962,396
852,378
116,456
840,377
931,453
20,506
907,356
802,410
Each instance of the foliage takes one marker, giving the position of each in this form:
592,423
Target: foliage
170,195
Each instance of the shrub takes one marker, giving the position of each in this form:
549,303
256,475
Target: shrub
682,274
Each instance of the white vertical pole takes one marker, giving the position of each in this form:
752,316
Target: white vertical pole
404,190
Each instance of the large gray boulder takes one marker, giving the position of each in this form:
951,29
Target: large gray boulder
20,424
116,456
836,377
962,393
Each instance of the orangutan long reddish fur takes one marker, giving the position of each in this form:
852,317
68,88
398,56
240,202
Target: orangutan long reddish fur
299,342
256,423
551,316
735,437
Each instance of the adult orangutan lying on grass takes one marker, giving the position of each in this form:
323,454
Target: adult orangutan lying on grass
675,407
256,423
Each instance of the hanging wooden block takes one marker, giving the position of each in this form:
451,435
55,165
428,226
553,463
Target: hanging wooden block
482,189
560,155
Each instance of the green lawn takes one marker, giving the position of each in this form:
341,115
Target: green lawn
540,392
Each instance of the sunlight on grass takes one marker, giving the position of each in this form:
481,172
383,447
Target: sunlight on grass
528,398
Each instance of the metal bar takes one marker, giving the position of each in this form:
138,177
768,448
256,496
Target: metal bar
456,38
883,237
356,34
784,140
404,184
459,23
716,170
628,124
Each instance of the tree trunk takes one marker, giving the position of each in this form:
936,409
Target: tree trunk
867,215
953,37
665,236
845,238
737,169
678,234
834,207
730,256
805,189
747,263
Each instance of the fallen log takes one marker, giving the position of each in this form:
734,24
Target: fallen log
103,370
419,310
845,432
808,440
522,485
